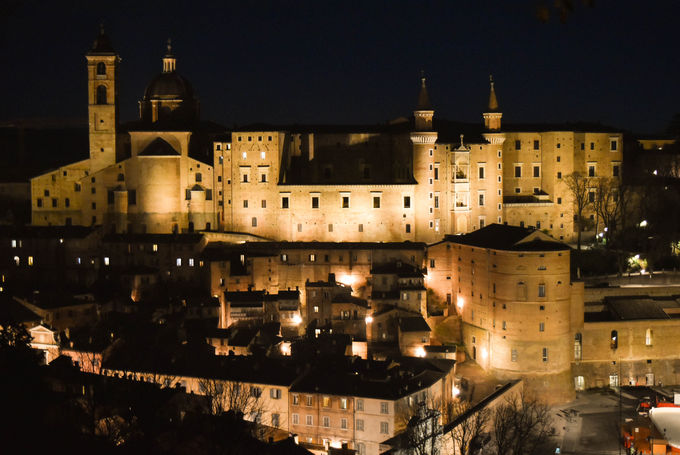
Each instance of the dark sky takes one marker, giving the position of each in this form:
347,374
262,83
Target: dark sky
354,62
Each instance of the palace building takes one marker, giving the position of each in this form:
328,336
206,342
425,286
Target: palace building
409,180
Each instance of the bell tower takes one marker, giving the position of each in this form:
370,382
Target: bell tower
102,100
423,139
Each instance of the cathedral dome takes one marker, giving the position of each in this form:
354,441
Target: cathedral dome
169,86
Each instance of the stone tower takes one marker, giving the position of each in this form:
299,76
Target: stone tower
492,116
423,139
102,87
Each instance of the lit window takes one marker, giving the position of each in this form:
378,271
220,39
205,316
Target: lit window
179,262
648,337
326,402
17,261
106,261
154,248
244,155
30,260
191,262
343,403
312,257
545,354
263,155
316,309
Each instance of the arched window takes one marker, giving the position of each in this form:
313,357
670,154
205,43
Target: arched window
614,339
101,68
578,346
101,94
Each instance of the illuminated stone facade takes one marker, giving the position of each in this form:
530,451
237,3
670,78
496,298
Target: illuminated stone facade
403,181
519,309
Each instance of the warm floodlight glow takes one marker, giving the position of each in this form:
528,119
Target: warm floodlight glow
460,303
643,223
285,348
297,319
455,391
485,353
369,319
347,280
420,351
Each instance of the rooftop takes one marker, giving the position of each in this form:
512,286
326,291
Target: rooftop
510,238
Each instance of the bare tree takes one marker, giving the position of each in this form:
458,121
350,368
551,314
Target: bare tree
230,396
578,187
521,425
468,425
609,204
422,435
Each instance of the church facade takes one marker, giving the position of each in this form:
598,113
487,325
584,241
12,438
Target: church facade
405,181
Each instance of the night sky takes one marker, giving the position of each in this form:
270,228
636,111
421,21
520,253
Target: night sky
354,62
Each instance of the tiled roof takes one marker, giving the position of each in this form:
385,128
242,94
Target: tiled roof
504,237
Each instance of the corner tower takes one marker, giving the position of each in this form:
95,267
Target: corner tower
423,138
102,96
492,116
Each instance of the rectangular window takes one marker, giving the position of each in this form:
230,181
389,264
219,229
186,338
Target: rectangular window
592,146
245,203
76,187
376,202
537,171
264,203
481,199
312,257
285,202
518,144
436,172
408,228
541,326
54,202
38,202
615,170
275,393
310,420
432,263
436,201
361,227
345,202
296,419
360,404
591,196
343,403
343,423
545,354
315,202
309,400
407,202
612,145
296,399
199,177
518,170
541,290
481,172
559,175
132,197
536,144
330,228
384,406
591,170
384,427
513,355
275,420
360,425
326,422
178,262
